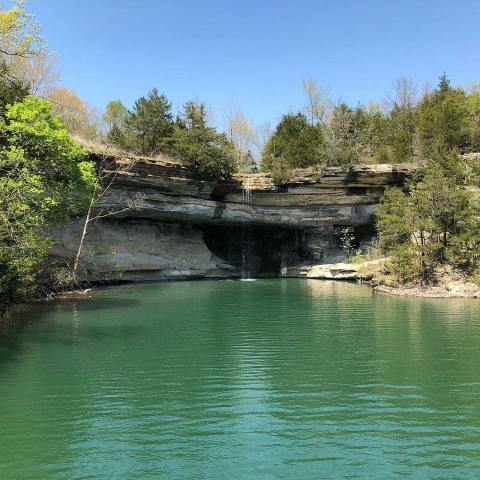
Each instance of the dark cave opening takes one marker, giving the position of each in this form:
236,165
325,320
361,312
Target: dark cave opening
267,251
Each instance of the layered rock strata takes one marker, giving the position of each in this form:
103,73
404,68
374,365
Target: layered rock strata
174,226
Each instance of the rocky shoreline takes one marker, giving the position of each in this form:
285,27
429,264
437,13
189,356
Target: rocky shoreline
453,290
370,272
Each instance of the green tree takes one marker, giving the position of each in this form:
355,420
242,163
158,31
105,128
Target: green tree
295,144
474,121
194,115
431,223
207,153
115,115
401,133
443,119
341,137
42,171
19,35
149,126
23,56
11,91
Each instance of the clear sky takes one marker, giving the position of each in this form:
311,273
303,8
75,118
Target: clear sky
254,54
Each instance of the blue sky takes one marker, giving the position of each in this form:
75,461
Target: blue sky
254,54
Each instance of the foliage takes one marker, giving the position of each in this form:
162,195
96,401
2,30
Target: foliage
11,90
23,55
245,139
115,115
208,154
434,223
42,172
443,119
149,129
402,130
149,126
19,35
347,241
77,115
294,144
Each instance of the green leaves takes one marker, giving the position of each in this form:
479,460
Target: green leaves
208,154
435,223
294,144
149,127
44,178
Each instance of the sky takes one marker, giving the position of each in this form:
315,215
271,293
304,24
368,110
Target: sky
255,54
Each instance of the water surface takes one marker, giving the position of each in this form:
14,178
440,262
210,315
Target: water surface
287,379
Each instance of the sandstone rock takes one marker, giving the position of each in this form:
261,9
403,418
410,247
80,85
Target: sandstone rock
142,250
162,237
337,271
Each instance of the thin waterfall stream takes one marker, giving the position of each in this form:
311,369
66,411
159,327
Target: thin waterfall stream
246,273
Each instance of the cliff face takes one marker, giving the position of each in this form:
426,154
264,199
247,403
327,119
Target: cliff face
179,227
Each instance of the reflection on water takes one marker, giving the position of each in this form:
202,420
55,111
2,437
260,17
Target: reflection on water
267,379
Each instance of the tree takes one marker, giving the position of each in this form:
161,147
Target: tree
22,49
341,146
106,172
78,116
429,225
115,116
44,178
244,137
208,154
194,115
11,91
39,71
319,105
443,119
473,101
149,126
19,35
295,144
402,133
404,94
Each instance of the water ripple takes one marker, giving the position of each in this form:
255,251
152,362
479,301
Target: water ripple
266,379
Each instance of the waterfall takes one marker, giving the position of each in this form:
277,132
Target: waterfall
283,261
246,237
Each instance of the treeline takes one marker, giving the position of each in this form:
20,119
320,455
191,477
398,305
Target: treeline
403,129
150,128
431,228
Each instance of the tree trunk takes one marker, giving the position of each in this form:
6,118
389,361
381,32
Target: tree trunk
82,238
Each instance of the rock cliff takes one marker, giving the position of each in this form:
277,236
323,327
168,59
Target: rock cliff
179,227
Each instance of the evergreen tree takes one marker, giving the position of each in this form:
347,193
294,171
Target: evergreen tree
432,224
295,143
443,119
149,127
194,115
473,101
208,154
402,124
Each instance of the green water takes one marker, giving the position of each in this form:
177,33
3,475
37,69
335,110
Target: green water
287,379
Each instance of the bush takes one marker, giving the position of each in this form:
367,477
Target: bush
44,178
207,154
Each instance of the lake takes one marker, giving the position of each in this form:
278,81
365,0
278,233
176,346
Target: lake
271,379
